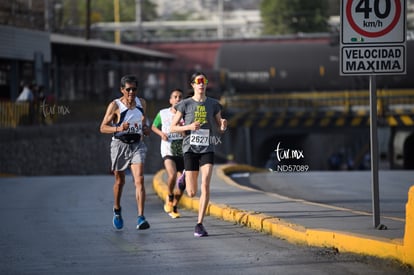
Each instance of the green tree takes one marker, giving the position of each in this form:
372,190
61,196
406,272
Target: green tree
293,16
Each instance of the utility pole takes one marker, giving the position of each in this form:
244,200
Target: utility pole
88,20
116,20
47,15
138,18
220,31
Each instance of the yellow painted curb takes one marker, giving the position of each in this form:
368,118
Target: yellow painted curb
401,250
409,228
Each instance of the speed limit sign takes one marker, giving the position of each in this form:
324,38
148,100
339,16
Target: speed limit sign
373,37
373,21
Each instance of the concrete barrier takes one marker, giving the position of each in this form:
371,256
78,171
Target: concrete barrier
64,149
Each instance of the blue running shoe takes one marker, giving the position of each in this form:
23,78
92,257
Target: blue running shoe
181,181
117,221
142,223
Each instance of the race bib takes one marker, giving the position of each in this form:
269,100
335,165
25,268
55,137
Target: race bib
135,127
174,136
200,137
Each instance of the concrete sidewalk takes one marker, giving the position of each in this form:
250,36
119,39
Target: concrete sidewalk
300,221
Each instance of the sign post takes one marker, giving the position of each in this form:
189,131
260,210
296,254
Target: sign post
374,150
373,42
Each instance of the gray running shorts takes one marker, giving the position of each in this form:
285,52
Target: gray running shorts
124,154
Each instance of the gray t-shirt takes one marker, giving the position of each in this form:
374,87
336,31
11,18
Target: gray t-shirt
201,141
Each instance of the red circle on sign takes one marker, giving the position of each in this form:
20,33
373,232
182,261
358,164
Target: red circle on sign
373,34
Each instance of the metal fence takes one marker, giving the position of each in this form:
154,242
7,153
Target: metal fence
14,114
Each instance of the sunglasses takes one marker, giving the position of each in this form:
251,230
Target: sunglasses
134,89
201,80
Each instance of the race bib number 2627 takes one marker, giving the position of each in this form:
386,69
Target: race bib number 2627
200,137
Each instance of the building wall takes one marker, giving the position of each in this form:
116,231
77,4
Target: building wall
24,58
22,44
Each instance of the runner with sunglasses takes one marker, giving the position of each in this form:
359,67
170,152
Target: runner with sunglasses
202,120
125,120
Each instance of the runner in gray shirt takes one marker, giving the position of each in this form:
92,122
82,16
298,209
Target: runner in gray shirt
202,117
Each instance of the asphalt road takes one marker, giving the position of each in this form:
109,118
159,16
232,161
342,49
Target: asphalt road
62,225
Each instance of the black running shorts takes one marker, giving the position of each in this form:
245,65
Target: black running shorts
193,161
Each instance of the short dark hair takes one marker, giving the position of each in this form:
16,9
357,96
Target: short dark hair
176,90
194,75
129,79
